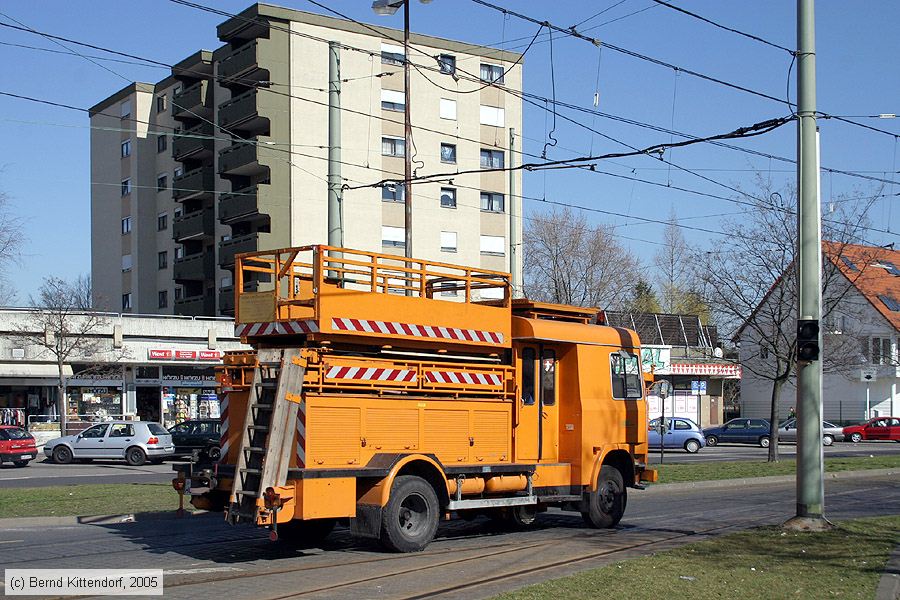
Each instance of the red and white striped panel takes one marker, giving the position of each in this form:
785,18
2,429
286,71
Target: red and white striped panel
463,377
370,374
301,435
276,328
411,329
223,440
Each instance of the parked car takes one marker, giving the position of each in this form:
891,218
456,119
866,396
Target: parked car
16,446
201,435
680,433
739,431
135,441
831,433
881,428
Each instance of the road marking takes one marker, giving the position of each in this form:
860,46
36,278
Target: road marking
11,541
203,570
83,475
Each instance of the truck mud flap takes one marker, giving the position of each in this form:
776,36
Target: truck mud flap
367,522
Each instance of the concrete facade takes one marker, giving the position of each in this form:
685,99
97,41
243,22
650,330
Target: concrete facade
252,142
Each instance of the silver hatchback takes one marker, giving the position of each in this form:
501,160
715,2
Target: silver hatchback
135,441
787,432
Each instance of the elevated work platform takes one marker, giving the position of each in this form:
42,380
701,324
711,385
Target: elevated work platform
337,294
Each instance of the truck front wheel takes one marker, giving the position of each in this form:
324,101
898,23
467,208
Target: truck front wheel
410,518
607,505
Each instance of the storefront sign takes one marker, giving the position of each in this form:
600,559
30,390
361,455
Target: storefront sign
154,354
727,371
656,359
160,354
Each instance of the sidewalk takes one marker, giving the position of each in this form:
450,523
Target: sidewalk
889,585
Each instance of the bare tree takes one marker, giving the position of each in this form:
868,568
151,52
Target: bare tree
12,238
750,277
568,261
62,324
672,262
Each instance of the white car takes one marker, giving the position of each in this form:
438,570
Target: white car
135,441
787,432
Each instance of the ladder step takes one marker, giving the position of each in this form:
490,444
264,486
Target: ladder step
262,406
241,514
259,427
254,449
251,471
250,493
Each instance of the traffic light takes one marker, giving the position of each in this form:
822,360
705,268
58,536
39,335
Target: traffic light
807,340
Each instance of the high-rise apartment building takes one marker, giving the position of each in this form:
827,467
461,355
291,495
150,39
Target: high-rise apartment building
229,153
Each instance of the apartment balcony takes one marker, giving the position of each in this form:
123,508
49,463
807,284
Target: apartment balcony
194,225
195,143
196,66
226,300
241,66
237,245
193,102
196,183
239,205
196,306
195,267
243,113
248,25
241,158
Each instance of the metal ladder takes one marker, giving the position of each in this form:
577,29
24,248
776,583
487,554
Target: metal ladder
270,423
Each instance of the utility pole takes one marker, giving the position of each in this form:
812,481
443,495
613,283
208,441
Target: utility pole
335,187
407,144
513,215
810,460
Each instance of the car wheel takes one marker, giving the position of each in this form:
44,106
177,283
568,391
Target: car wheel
21,463
712,440
214,453
692,446
135,456
856,437
827,440
764,441
607,505
410,518
62,455
305,533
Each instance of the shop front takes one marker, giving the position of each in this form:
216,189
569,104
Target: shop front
178,387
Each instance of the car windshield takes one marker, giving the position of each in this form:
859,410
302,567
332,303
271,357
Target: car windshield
17,434
157,429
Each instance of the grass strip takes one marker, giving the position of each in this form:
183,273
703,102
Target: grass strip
768,562
89,499
676,473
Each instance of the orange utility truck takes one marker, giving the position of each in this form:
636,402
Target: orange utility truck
391,392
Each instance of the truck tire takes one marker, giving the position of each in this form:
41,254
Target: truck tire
522,517
607,505
305,534
410,518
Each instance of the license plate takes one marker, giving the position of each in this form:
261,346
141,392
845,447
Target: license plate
24,456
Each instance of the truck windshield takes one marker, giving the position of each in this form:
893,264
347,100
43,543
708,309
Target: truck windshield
625,372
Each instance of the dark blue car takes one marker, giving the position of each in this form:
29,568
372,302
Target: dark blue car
739,431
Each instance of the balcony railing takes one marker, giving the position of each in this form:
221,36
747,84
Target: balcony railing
239,205
197,224
242,65
192,101
196,142
241,159
242,111
195,306
198,182
195,267
237,245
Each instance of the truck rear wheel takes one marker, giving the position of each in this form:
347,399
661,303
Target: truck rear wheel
410,518
607,505
305,533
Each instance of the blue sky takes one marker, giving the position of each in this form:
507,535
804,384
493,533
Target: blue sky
44,160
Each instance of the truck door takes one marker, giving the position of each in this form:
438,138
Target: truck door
537,437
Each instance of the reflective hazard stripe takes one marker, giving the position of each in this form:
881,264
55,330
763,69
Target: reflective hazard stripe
223,439
276,328
301,435
414,330
370,374
463,377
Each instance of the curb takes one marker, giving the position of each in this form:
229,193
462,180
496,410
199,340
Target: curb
889,584
15,523
727,483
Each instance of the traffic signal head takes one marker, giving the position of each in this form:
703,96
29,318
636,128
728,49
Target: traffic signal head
807,340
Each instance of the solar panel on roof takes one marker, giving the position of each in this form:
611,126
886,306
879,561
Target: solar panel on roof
849,263
890,303
893,270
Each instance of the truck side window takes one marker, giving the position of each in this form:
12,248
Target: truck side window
548,377
625,373
528,358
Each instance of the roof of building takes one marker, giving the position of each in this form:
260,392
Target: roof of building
874,271
666,329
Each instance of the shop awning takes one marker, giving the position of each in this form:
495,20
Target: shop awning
32,371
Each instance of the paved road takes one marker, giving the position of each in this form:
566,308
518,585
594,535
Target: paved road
203,557
724,452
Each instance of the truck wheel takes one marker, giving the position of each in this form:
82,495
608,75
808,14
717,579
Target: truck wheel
135,456
522,517
305,533
62,455
607,505
410,518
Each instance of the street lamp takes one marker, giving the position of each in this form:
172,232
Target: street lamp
387,8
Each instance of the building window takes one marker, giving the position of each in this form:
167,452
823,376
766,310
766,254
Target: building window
178,172
162,182
447,64
161,142
448,198
492,115
492,159
393,192
126,262
881,353
126,225
448,153
493,244
162,221
179,293
492,202
126,187
393,100
391,55
161,103
391,146
394,237
491,73
177,212
126,301
163,259
125,109
126,148
163,299
448,241
448,109
227,282
179,252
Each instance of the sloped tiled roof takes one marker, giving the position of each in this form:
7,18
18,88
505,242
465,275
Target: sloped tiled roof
873,270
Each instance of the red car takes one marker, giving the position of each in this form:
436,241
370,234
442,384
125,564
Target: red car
16,446
881,428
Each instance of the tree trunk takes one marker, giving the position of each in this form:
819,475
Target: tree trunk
773,420
61,397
